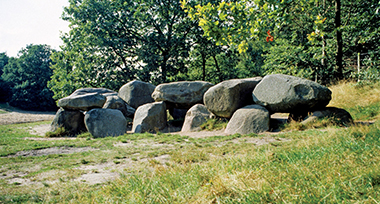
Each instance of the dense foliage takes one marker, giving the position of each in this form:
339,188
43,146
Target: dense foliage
113,42
4,86
27,77
316,39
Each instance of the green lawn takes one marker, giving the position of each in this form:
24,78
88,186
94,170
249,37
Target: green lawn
326,165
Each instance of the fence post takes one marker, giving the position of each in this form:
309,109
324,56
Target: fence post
358,66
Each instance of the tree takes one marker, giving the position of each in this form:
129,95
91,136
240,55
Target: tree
4,87
28,76
113,42
312,30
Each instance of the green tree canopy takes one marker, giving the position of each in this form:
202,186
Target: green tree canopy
113,42
314,39
4,87
28,76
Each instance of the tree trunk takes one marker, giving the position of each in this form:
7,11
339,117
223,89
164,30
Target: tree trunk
164,67
203,67
218,69
339,54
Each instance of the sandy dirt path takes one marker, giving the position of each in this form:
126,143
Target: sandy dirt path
20,116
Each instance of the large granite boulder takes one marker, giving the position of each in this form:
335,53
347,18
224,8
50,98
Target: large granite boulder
195,117
105,122
102,91
71,120
249,119
288,94
182,95
150,117
85,99
226,97
137,93
115,102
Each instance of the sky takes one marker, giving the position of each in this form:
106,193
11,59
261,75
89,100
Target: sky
24,22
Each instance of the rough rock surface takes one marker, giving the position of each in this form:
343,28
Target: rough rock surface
85,99
182,95
83,102
137,93
150,117
195,117
287,94
115,102
102,91
340,116
226,97
105,122
71,120
250,119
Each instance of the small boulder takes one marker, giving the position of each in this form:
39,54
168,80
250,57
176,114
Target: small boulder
340,116
195,117
287,94
115,102
226,97
250,119
71,120
150,117
137,93
182,95
105,122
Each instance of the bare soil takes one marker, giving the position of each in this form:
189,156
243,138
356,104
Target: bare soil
98,173
20,116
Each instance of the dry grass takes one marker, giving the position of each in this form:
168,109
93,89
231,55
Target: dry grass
357,99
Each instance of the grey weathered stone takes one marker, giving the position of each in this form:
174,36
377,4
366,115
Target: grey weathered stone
340,116
182,95
71,120
137,93
102,91
85,99
82,102
150,117
287,94
105,122
195,117
226,97
115,102
249,119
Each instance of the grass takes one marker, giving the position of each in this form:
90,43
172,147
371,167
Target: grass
214,124
361,101
330,165
5,108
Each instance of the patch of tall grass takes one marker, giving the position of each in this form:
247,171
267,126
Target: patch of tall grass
333,166
214,124
361,101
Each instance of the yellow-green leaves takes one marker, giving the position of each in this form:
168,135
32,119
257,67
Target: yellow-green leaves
318,32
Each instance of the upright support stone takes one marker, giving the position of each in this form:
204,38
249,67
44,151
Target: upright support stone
105,122
250,119
71,120
150,117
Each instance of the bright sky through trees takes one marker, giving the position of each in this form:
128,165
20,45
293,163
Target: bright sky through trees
24,22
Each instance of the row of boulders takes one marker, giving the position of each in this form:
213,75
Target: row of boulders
247,103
